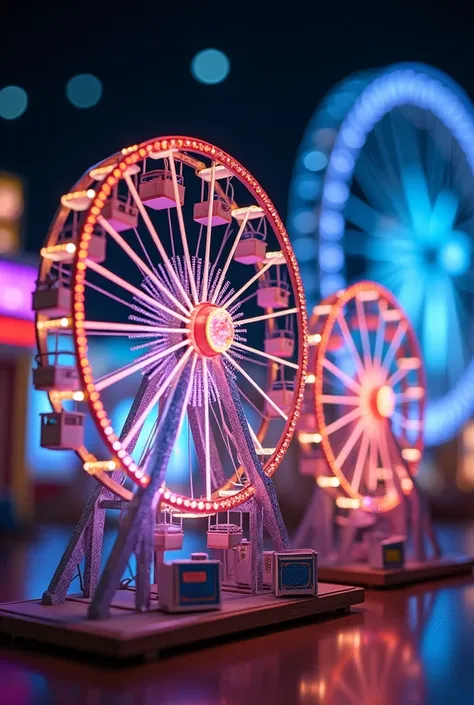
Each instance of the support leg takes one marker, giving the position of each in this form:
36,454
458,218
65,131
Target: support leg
265,491
136,521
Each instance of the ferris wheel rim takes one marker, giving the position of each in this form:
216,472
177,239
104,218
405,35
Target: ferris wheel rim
126,159
337,301
377,94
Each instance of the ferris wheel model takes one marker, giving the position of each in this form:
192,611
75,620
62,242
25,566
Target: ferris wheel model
361,430
172,246
381,191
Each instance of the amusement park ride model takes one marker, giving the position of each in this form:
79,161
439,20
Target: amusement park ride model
361,437
174,246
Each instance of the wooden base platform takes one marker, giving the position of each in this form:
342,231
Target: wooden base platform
127,634
359,574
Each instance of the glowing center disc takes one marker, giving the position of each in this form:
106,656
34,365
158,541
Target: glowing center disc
212,330
385,401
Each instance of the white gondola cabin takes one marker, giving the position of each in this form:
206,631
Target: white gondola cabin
168,537
65,249
251,249
281,394
220,212
273,293
63,430
59,378
157,191
120,213
52,298
280,343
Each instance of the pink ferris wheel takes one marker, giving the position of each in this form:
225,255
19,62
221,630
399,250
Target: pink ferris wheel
363,426
173,248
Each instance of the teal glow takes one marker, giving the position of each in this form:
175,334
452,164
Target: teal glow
84,90
210,66
13,102
315,160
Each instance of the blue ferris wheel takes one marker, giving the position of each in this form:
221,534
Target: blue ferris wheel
383,189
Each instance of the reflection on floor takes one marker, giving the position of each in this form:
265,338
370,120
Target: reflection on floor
414,645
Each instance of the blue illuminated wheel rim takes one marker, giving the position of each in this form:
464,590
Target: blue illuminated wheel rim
381,190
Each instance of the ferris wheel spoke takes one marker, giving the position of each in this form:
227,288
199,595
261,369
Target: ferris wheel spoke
361,461
335,399
156,239
230,256
255,385
414,425
342,376
385,455
410,394
343,421
397,376
379,340
189,390
127,370
125,328
350,443
364,332
266,316
140,263
161,390
107,274
349,341
207,250
394,345
249,283
207,442
182,229
274,358
413,178
373,462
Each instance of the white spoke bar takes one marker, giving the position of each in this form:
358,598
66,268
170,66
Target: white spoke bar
266,316
207,440
128,370
130,327
229,259
349,340
182,229
334,399
249,283
184,410
400,332
350,443
364,333
360,462
132,289
264,354
345,379
397,376
255,385
156,239
207,254
139,262
343,421
142,418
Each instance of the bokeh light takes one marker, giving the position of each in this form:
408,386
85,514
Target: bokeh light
13,102
210,66
84,90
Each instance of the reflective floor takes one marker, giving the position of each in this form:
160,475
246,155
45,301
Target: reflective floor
403,647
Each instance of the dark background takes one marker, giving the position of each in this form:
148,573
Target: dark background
284,58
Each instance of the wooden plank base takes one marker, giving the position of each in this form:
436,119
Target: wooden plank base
363,575
127,634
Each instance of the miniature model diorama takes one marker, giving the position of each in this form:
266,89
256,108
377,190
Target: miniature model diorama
361,438
174,246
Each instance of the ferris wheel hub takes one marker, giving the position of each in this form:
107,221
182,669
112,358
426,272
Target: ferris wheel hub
384,401
212,329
